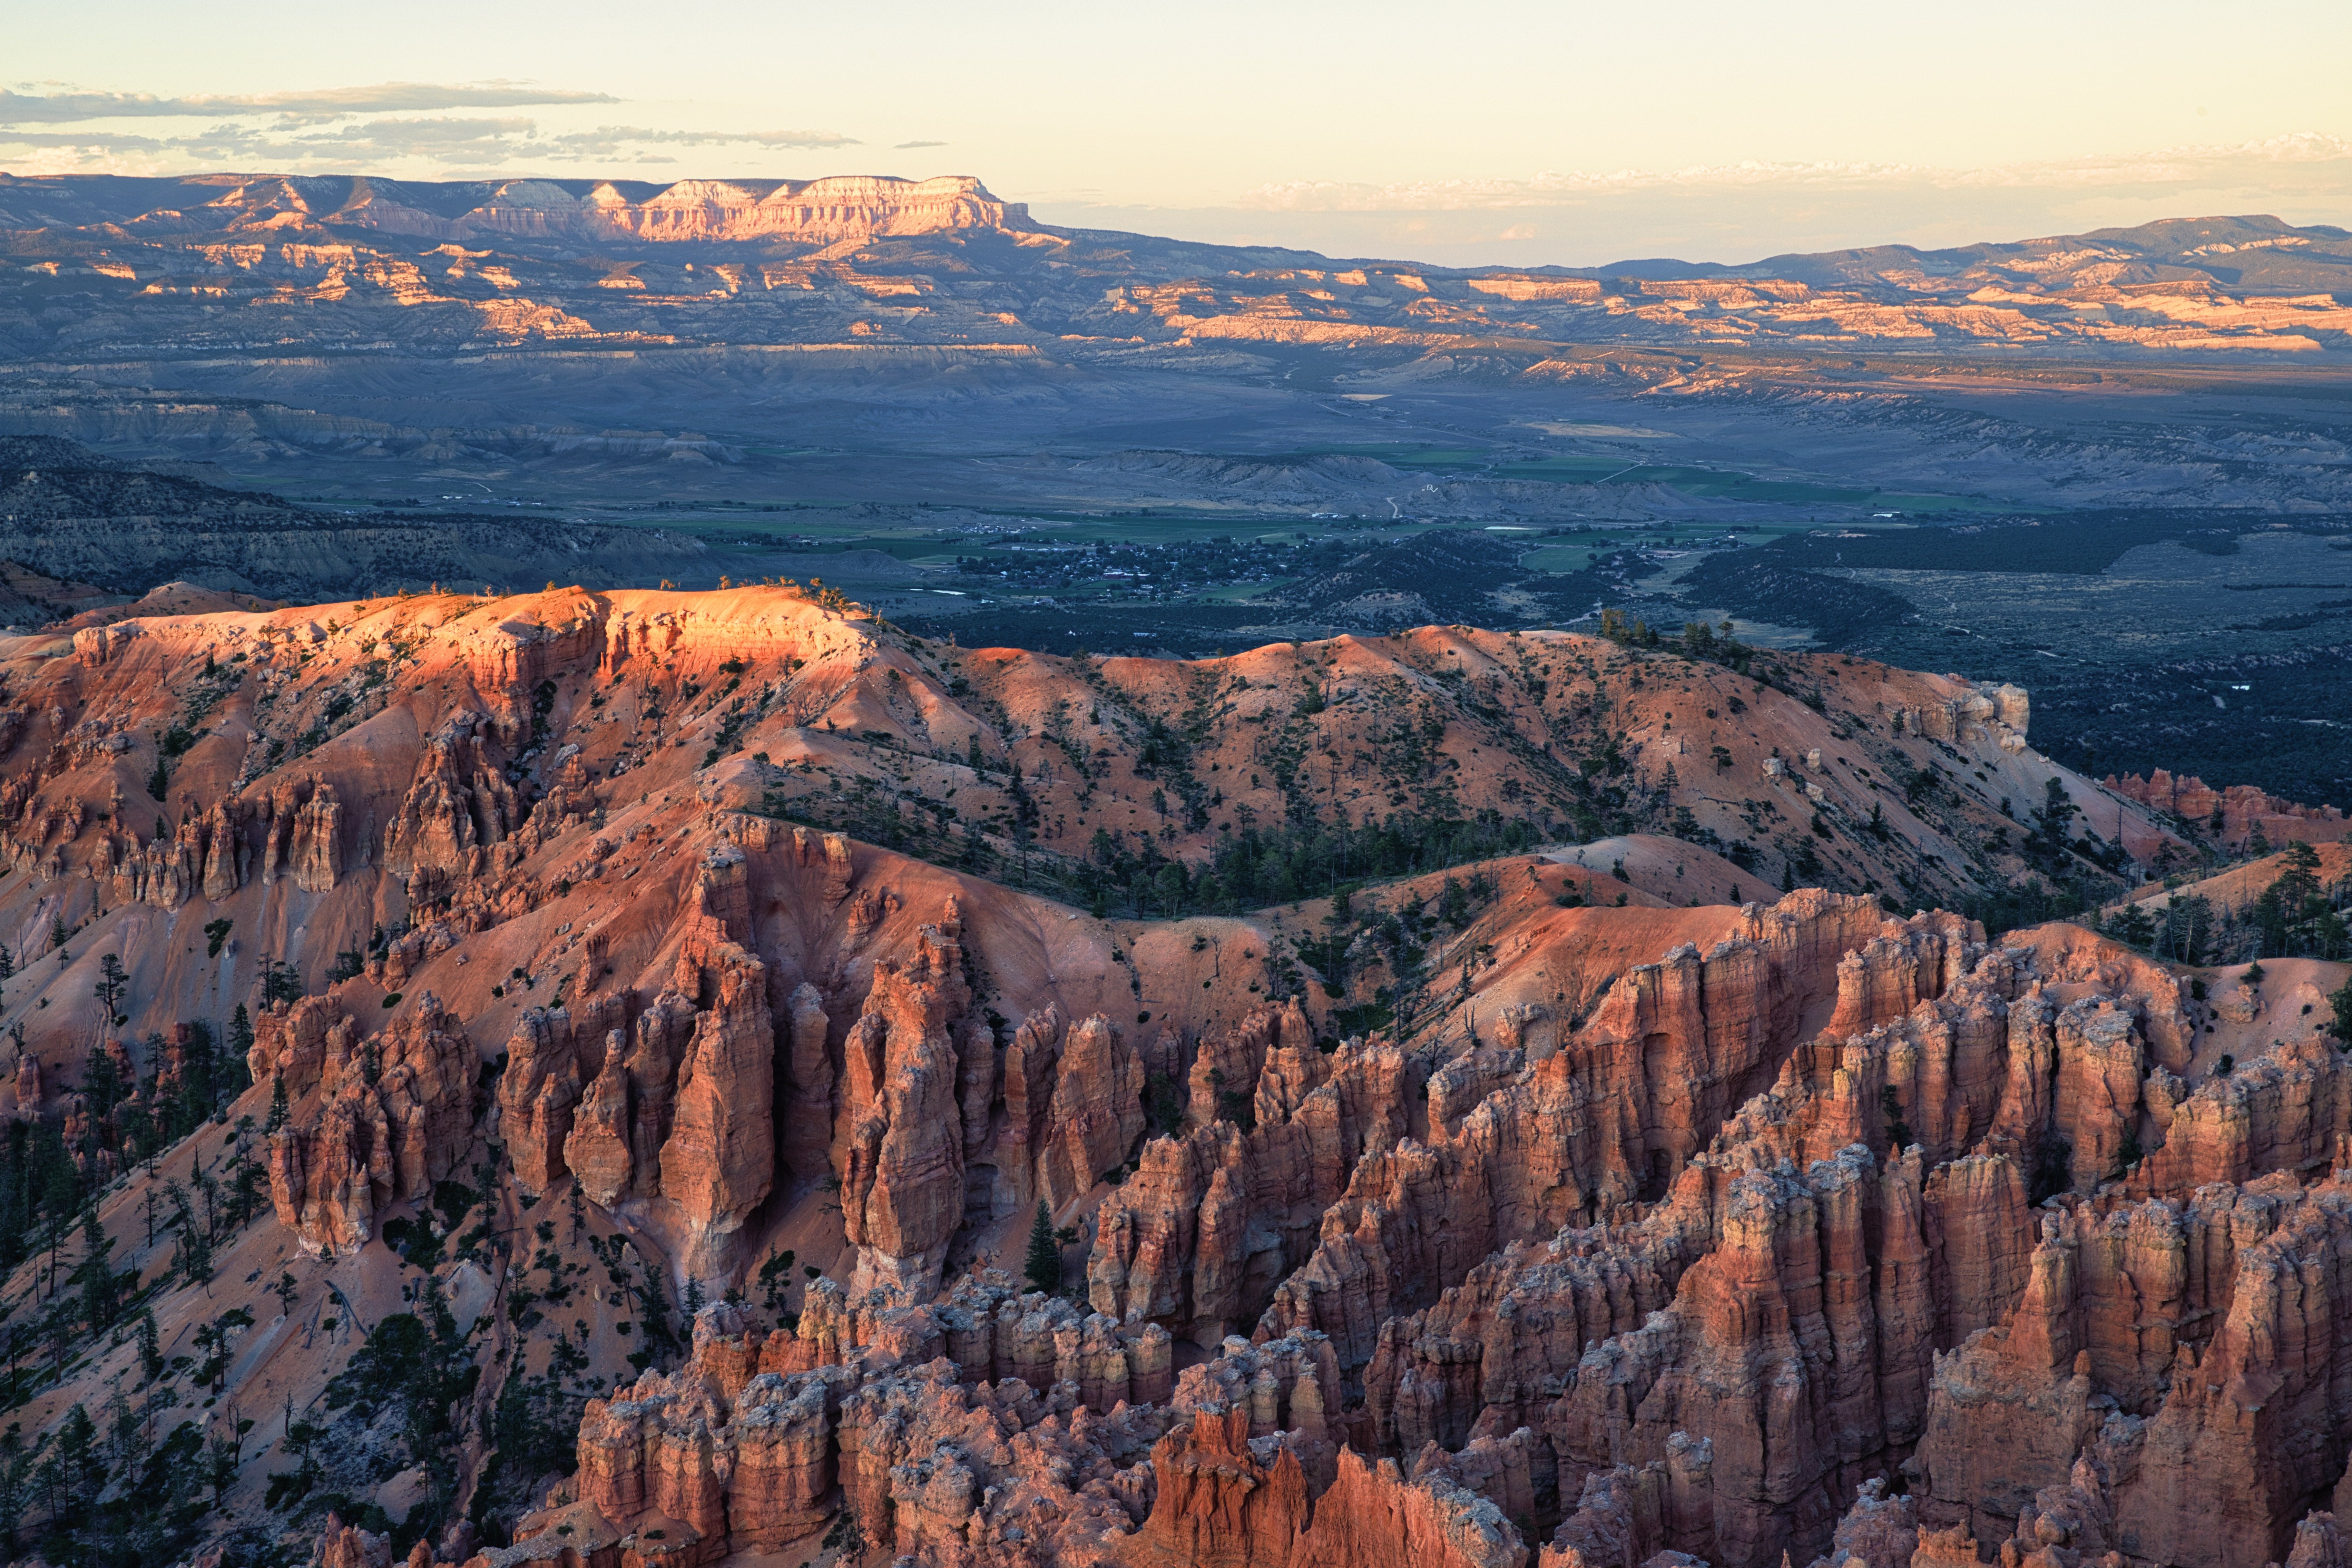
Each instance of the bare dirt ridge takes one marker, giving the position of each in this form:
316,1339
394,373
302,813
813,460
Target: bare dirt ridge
1451,1145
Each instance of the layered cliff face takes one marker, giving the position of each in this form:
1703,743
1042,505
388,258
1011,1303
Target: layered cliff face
1481,1219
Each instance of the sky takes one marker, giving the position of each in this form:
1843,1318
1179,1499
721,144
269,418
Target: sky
1487,130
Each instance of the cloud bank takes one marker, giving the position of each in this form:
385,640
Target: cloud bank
385,128
392,97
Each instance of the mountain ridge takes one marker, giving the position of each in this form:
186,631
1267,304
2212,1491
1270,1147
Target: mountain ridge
861,266
829,209
877,205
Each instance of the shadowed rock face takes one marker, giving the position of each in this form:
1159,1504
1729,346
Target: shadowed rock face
1646,1233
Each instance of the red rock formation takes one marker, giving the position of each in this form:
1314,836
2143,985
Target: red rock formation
1833,1290
1373,1518
349,1546
304,839
541,1087
732,1453
719,1159
2289,1109
623,1116
1775,1334
370,1121
2200,1325
456,806
2243,808
1095,1115
807,1083
1876,1529
2319,1543
1625,1515
900,1161
1211,1223
1652,1072
1218,1503
1675,1229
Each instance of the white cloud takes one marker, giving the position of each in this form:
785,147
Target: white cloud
303,145
607,138
392,97
345,131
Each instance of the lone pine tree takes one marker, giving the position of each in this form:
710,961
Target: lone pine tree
1043,1265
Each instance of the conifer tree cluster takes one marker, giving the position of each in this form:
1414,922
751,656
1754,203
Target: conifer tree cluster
2297,915
120,1489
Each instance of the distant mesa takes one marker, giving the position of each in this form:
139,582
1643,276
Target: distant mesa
827,211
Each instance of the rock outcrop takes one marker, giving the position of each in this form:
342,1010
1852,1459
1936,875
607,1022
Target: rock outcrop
1814,1299
373,1119
540,1091
2233,814
1589,1128
1217,1502
739,1452
902,1160
719,1159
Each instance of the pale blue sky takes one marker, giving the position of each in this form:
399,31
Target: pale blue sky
1505,131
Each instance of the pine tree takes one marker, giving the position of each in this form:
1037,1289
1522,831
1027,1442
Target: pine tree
151,1346
96,1274
276,1104
102,1081
1044,1266
214,1337
126,1442
192,1259
847,1536
111,983
80,1466
16,1478
222,1455
776,1273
